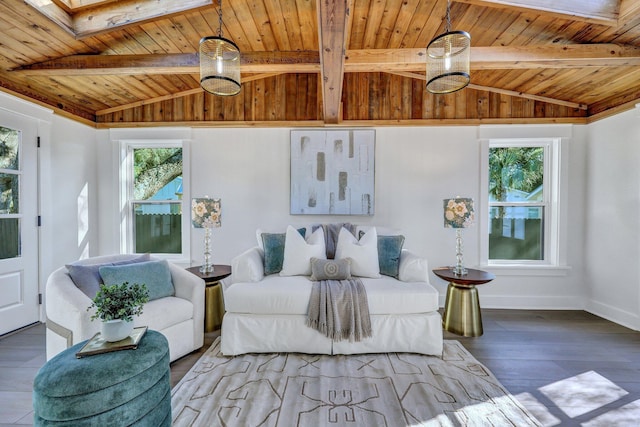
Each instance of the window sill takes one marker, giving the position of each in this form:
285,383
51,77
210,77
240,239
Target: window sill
527,270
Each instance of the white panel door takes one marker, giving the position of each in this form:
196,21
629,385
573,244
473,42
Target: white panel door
19,304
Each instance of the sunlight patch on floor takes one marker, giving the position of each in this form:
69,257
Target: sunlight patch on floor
624,416
583,393
538,410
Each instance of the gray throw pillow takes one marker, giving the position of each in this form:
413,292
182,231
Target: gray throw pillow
330,269
87,277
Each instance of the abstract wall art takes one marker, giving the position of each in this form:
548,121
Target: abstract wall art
332,172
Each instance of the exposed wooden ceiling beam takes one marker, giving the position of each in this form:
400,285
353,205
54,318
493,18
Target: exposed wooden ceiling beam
100,19
603,12
332,21
55,13
363,60
172,63
88,18
503,92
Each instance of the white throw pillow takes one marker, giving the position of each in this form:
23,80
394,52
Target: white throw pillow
363,253
298,252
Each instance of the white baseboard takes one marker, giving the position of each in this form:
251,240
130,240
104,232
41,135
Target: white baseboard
621,317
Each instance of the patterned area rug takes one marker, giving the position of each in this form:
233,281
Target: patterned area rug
394,389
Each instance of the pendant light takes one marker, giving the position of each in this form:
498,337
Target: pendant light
448,60
219,63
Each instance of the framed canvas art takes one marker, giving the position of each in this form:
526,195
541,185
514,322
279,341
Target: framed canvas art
332,172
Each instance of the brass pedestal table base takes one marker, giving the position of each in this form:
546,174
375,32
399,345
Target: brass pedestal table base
213,298
462,314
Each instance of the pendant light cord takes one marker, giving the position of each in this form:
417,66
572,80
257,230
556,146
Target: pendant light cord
220,19
448,17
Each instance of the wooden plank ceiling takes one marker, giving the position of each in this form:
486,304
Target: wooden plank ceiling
114,63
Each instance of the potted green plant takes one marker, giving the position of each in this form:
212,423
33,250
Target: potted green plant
116,305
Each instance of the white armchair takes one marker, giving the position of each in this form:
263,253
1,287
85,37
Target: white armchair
179,318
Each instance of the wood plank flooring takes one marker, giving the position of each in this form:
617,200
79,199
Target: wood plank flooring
570,368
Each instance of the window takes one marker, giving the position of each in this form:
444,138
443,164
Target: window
9,193
521,192
153,185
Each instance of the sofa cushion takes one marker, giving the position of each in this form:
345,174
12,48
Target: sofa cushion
87,276
363,253
330,269
290,295
273,246
154,274
298,252
166,312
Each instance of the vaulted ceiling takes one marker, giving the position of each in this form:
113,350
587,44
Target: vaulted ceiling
114,63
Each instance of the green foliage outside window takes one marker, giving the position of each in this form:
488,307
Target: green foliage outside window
516,208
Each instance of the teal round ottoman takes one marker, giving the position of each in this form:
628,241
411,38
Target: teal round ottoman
121,388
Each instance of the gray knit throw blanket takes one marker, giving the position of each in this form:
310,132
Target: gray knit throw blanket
339,310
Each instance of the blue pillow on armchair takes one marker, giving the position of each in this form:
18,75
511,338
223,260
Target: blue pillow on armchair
154,274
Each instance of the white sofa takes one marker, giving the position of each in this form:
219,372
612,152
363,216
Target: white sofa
268,313
179,318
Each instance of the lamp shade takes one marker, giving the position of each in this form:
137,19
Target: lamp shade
458,212
206,213
448,58
219,66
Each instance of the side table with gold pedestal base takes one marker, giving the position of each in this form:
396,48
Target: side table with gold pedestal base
213,300
462,307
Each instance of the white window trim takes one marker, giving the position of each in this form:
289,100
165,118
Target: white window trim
554,256
126,178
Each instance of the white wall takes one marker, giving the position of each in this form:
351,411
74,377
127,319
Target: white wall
74,191
416,167
612,223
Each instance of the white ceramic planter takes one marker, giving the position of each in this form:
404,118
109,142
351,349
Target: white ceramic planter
116,330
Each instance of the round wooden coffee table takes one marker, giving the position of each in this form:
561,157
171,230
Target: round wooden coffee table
462,314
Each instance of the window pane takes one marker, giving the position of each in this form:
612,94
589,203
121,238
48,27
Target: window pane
9,199
157,177
516,233
10,241
157,174
9,143
158,228
516,174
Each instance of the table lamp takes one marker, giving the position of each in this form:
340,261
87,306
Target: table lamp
206,213
458,214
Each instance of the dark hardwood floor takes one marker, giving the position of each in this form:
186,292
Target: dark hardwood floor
570,368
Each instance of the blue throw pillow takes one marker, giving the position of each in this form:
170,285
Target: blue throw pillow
389,250
87,277
273,244
154,274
